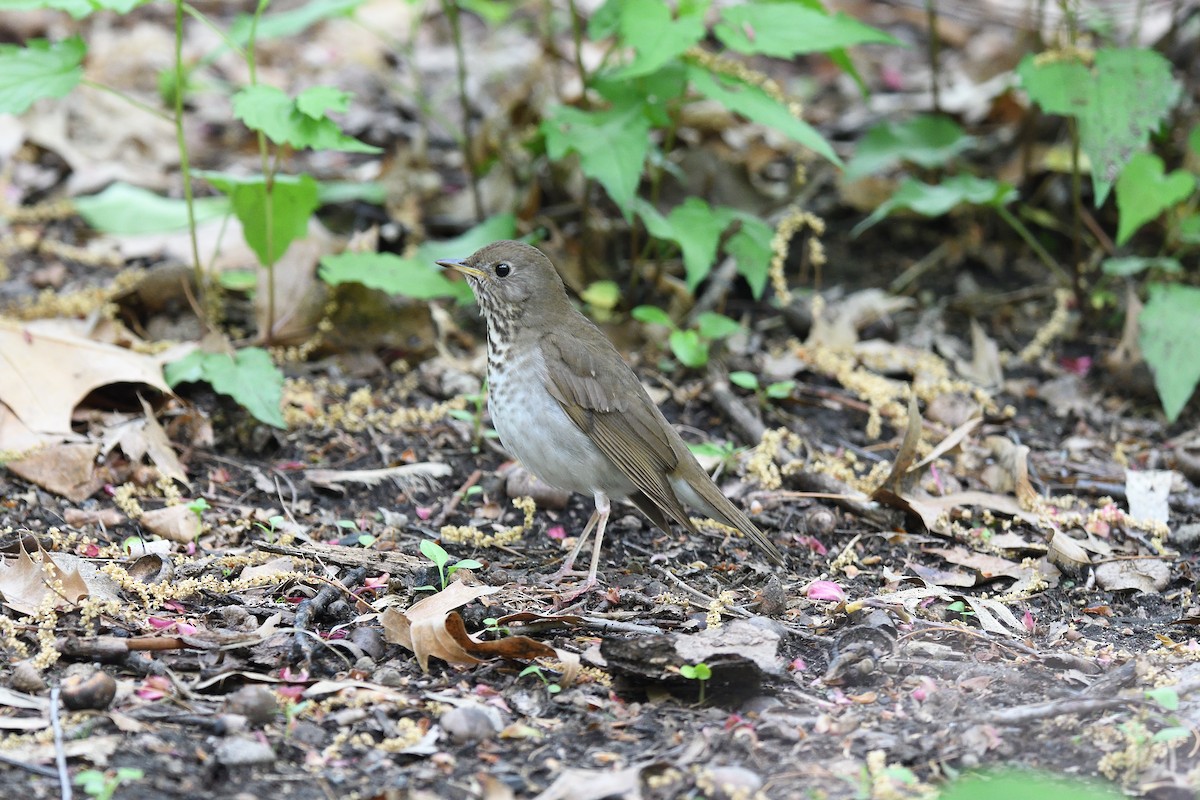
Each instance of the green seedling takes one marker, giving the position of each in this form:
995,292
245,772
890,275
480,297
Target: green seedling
534,669
103,785
199,506
441,559
779,390
273,522
697,672
493,626
474,415
690,346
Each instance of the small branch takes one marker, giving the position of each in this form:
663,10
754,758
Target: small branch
60,754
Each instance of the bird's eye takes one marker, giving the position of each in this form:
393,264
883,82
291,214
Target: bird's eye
502,269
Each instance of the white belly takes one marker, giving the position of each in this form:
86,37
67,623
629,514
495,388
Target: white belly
560,454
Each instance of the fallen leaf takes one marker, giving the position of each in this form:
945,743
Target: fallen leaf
45,373
68,470
25,583
176,523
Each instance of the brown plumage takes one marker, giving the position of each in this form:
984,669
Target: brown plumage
573,412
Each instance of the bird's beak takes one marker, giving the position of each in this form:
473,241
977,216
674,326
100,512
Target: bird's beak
460,265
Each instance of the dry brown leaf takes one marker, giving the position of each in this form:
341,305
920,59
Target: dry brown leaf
594,784
407,477
176,523
299,296
105,517
276,566
988,566
158,447
16,436
430,627
26,582
45,373
422,628
65,469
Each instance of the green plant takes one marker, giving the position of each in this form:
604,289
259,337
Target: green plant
778,390
690,345
535,670
1012,783
273,522
474,415
199,506
493,626
441,559
697,672
104,785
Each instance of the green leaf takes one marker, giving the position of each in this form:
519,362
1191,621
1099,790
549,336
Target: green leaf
605,21
602,294
697,228
647,27
1119,102
466,563
415,277
757,106
249,377
652,315
611,145
76,8
1172,734
1194,140
40,69
1126,266
656,94
1013,783
290,23
293,199
714,326
1189,229
501,226
434,552
126,209
746,380
751,248
689,348
331,192
935,200
1144,192
298,123
780,389
785,30
1170,345
928,140
1166,696
493,12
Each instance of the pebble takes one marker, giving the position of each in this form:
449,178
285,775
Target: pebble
27,678
471,723
239,751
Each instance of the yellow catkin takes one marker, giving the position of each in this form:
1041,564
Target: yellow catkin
1055,327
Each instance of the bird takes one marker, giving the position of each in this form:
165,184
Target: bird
573,412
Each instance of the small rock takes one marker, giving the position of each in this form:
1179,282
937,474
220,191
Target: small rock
520,482
257,704
471,723
370,640
27,678
1186,536
240,751
388,676
96,691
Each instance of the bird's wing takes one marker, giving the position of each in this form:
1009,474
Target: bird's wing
603,396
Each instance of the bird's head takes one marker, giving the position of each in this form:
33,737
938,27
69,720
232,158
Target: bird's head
511,279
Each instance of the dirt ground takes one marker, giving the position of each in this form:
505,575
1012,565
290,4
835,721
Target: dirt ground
1001,604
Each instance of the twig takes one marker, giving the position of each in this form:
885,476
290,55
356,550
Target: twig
455,499
36,769
302,648
60,755
749,427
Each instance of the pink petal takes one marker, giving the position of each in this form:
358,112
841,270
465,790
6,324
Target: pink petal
557,532
825,590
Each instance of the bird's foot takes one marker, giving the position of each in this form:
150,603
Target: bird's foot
576,592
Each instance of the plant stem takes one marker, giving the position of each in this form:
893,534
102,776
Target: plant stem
200,308
451,10
268,180
1033,243
931,17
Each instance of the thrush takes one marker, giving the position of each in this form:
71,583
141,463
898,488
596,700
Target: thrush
573,412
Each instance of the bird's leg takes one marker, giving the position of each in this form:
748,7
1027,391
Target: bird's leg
599,521
569,564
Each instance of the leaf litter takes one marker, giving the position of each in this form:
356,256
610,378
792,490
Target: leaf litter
990,590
